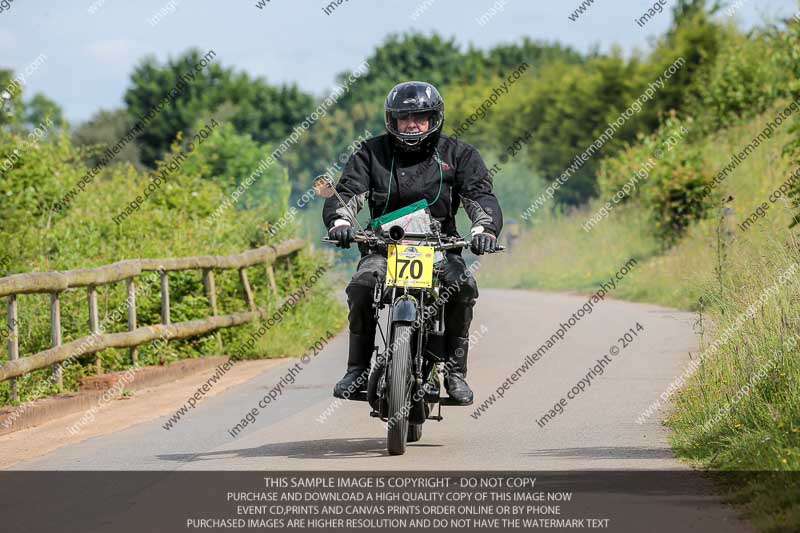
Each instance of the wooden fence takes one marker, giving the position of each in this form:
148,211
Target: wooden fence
54,283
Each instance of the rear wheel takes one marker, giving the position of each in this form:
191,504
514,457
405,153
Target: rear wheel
414,432
400,387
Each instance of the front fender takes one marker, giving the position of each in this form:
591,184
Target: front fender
404,310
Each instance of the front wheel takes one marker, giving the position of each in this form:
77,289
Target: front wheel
400,386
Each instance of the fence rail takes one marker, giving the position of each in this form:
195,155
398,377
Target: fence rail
54,283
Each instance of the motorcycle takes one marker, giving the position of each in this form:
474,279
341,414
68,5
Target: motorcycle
404,386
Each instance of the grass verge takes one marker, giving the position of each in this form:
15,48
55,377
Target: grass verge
740,410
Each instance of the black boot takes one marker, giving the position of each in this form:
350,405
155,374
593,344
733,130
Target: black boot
456,371
355,379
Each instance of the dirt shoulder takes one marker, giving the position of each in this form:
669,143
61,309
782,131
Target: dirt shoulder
144,405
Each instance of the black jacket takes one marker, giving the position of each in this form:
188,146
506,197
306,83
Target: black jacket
465,181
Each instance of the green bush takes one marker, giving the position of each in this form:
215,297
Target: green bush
666,174
677,198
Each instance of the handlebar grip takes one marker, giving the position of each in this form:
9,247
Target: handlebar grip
358,238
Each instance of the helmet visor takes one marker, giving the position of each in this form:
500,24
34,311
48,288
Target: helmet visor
413,124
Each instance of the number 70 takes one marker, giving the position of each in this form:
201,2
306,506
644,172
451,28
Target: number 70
415,272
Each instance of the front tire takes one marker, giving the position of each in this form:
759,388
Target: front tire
400,388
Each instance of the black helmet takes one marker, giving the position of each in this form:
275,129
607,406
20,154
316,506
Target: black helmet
411,98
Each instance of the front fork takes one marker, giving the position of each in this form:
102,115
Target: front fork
408,309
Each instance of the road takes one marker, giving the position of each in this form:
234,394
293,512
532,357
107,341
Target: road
596,431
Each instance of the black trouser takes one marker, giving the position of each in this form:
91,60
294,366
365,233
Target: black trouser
457,281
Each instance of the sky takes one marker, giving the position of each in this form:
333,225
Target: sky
91,46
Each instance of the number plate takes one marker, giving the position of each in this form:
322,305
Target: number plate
409,266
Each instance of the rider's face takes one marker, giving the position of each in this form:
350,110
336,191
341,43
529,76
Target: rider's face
418,123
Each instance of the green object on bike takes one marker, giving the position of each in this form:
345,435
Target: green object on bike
376,223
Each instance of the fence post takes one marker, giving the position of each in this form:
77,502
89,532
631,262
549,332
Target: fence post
164,305
210,287
272,284
130,286
289,269
164,298
94,325
13,339
248,292
55,335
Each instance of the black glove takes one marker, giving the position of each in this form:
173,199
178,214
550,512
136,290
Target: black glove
344,234
482,243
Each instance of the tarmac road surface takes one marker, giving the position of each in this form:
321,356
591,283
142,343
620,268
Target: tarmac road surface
597,429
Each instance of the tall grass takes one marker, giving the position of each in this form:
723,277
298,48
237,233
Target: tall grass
741,410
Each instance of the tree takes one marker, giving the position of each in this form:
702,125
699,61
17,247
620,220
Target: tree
411,56
440,61
20,115
328,144
686,10
231,160
105,129
502,58
40,109
696,38
254,107
11,105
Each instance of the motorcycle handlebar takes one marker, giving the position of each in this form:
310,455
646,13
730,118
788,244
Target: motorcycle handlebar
375,240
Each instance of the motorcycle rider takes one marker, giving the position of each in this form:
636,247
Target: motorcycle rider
414,160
